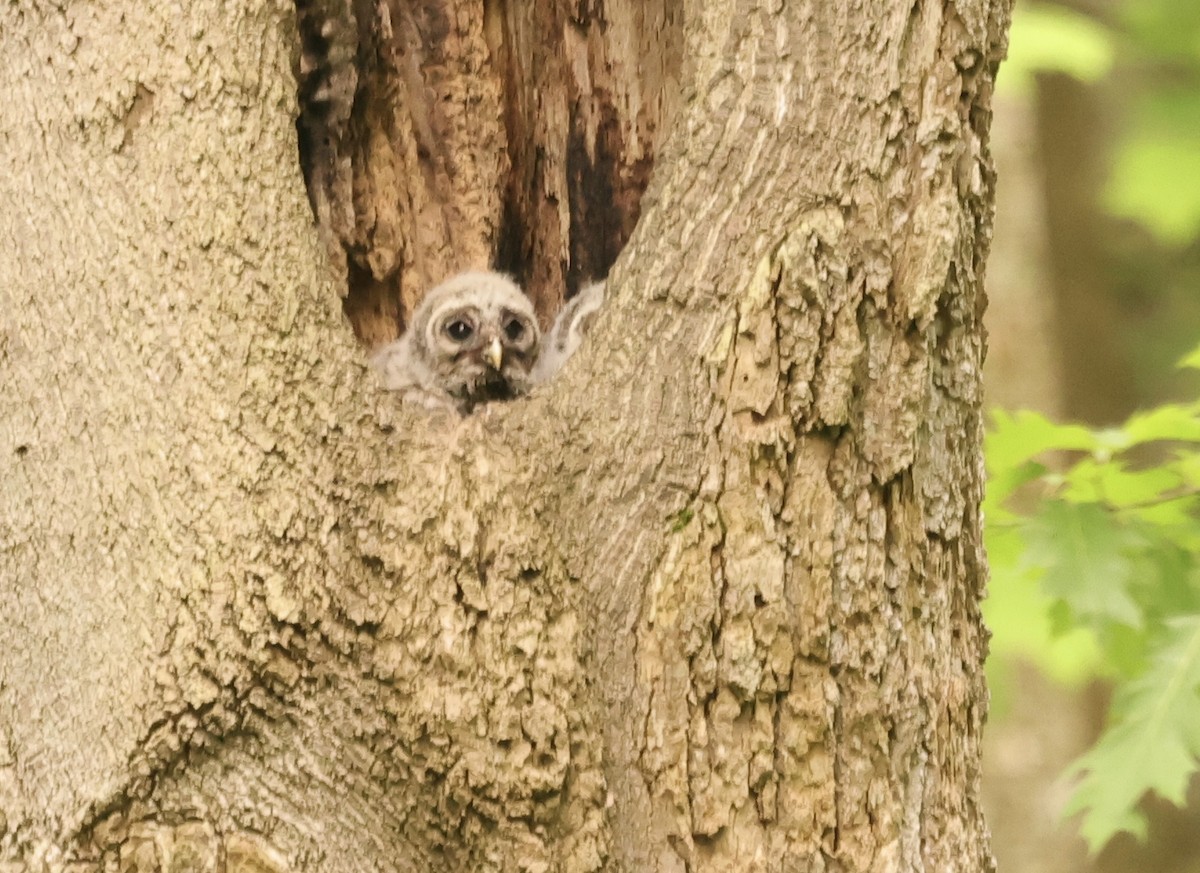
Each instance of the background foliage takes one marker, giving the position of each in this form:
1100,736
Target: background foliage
1094,533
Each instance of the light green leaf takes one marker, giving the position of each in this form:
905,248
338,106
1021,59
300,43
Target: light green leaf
1187,467
1017,437
1152,743
1081,550
1002,484
1172,422
1017,612
1113,484
1191,359
1173,520
1167,578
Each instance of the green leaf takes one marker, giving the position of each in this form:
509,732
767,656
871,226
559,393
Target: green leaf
1166,580
1113,484
1002,484
1152,743
1046,38
1081,550
1172,422
1017,612
1187,467
1192,359
1017,437
1125,655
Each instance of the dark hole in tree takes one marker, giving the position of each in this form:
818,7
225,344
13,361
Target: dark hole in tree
391,235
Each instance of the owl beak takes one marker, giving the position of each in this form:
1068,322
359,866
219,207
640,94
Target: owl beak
494,354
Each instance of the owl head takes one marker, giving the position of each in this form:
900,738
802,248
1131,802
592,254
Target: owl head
478,336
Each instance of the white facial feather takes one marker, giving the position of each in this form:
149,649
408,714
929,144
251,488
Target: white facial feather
472,339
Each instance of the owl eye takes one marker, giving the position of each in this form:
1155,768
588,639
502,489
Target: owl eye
514,329
459,330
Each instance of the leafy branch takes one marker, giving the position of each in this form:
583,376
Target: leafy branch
1096,535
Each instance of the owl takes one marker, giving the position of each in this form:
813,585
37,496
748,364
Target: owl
473,339
571,326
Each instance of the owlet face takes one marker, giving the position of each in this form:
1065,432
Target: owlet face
480,336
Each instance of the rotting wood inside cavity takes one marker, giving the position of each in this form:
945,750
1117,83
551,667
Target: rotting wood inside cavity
455,139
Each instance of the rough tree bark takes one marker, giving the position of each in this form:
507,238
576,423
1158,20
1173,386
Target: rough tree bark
708,602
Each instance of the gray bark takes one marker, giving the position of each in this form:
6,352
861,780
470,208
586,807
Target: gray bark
709,602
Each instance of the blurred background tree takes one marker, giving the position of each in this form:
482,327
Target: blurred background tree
1094,532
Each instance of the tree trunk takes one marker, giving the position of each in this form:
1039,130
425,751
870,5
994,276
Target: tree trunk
707,602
